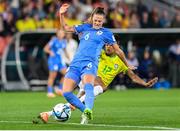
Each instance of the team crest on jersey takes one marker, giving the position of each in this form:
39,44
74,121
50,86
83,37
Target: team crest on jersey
99,33
89,66
115,66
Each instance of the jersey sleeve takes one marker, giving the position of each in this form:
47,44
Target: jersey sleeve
51,42
109,38
80,28
123,68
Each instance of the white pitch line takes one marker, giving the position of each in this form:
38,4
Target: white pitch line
101,125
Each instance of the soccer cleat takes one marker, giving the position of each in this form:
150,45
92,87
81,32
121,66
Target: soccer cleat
44,117
58,91
88,113
84,119
51,95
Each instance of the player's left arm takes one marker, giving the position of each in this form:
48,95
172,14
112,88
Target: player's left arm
122,56
120,53
112,41
136,79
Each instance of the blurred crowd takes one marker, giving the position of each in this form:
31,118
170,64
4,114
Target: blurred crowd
28,15
25,15
152,63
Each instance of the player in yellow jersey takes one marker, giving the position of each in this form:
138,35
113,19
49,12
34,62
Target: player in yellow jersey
109,66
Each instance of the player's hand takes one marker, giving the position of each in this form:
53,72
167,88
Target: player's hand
63,8
132,67
151,82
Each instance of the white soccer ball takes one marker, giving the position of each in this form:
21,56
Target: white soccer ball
61,112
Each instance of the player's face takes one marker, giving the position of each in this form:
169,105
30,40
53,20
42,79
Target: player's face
109,49
98,21
60,34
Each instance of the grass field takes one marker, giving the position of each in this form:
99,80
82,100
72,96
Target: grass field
131,109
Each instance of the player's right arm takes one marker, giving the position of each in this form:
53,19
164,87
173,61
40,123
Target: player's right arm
136,79
64,26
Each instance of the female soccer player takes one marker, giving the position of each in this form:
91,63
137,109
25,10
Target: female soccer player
55,63
84,65
109,66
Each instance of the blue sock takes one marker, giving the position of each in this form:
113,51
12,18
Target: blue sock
89,98
60,86
72,99
50,89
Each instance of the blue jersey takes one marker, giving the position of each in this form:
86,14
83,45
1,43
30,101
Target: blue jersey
86,58
57,46
55,62
91,42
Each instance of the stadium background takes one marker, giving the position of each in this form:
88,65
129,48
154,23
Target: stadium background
147,30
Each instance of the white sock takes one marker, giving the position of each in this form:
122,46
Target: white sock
50,113
97,90
81,89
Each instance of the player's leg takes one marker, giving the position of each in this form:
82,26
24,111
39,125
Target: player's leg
51,78
44,116
88,80
53,69
59,89
70,81
81,91
97,91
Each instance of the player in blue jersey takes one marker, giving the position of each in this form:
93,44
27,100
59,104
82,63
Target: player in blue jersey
84,65
55,48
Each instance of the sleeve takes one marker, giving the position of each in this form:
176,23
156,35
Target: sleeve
109,38
51,42
80,28
123,68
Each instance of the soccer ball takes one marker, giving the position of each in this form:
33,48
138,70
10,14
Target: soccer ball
62,112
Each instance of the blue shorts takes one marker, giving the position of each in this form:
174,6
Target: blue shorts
56,64
78,69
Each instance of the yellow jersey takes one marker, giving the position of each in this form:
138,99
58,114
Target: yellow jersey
109,67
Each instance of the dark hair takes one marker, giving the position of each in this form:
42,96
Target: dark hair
99,10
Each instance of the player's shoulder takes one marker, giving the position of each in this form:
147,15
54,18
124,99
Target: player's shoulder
106,30
120,62
54,38
86,25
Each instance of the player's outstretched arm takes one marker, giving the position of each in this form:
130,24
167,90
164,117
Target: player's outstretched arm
136,79
63,9
121,55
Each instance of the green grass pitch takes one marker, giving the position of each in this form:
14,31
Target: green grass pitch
131,109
